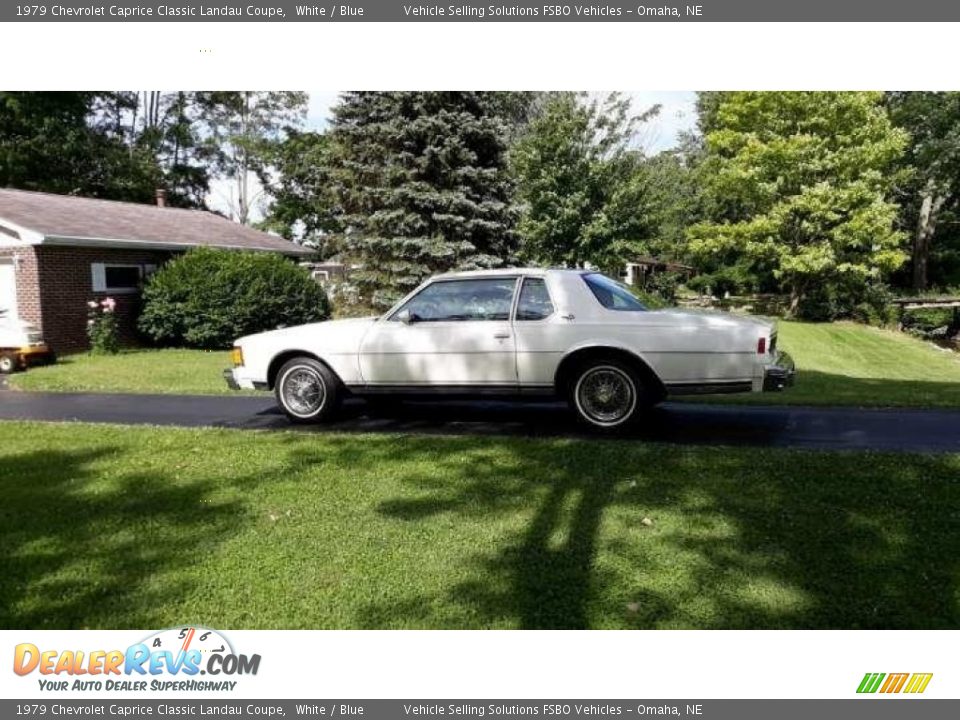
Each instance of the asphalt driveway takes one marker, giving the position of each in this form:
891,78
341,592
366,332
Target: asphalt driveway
682,423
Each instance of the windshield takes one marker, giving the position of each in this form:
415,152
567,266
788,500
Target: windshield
611,294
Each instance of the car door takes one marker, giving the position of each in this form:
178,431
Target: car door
454,332
542,336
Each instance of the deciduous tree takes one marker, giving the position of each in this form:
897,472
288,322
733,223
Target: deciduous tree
582,182
800,183
933,155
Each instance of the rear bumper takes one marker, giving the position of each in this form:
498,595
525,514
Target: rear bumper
780,374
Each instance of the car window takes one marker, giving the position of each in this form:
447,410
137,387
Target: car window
611,294
462,300
534,302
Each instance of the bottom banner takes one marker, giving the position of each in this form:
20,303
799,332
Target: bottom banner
868,709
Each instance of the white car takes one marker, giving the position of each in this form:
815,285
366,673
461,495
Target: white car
573,334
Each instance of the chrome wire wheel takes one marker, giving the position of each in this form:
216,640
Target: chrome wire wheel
303,391
606,395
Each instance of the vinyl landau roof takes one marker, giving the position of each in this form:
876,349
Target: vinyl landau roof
70,220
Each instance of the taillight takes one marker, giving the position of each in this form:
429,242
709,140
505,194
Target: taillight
762,346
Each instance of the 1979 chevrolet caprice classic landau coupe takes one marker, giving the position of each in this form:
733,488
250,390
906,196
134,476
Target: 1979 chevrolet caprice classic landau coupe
574,334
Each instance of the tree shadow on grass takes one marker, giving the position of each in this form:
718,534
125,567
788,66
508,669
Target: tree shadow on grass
78,555
736,538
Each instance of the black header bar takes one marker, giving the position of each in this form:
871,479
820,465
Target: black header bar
478,11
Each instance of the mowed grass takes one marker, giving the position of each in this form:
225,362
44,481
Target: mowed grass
123,527
186,372
838,363
849,364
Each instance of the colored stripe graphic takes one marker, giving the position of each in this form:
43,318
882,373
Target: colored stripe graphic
918,682
870,682
895,683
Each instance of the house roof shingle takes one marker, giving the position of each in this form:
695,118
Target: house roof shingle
67,219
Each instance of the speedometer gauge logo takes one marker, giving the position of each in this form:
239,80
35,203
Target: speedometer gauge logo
184,639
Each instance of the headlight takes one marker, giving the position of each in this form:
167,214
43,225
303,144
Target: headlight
236,355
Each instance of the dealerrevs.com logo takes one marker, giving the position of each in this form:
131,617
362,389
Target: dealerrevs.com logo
892,683
179,659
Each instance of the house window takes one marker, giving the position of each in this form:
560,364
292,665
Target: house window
108,277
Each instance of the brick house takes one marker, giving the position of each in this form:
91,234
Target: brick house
57,252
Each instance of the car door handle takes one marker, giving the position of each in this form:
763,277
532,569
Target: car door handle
501,336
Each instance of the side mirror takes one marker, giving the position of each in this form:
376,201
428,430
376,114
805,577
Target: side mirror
405,317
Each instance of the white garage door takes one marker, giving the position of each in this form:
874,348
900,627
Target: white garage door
8,289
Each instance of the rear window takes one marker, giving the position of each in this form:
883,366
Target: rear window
611,294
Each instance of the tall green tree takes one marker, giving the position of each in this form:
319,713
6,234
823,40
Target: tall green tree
304,207
165,127
933,155
675,194
421,185
48,143
240,130
584,189
800,184
172,132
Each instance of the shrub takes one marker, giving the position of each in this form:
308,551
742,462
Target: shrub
819,304
207,298
102,327
664,286
732,279
868,303
873,305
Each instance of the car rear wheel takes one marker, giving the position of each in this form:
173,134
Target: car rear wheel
607,395
307,391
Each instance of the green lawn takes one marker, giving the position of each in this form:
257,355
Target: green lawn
188,372
123,527
839,364
848,364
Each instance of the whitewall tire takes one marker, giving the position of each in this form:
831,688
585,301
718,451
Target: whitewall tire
607,395
307,391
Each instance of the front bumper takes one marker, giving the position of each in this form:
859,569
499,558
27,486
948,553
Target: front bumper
236,379
231,380
780,374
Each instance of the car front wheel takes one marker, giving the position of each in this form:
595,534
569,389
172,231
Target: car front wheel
307,391
607,395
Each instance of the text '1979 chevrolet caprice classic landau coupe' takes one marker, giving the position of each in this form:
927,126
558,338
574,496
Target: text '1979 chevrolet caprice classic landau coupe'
573,334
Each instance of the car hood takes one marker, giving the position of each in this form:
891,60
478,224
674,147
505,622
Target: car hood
338,331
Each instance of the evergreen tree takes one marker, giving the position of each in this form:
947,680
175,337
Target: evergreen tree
421,186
